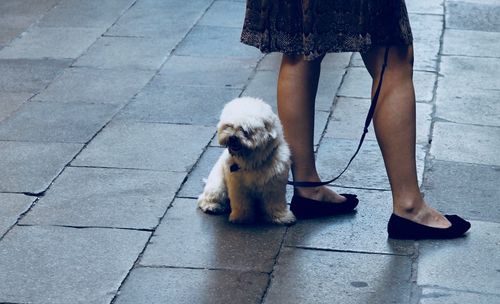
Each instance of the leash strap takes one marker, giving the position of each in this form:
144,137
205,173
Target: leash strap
369,117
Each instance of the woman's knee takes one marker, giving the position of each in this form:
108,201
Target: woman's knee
400,60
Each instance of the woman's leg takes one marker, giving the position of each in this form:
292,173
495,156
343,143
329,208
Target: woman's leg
394,123
297,87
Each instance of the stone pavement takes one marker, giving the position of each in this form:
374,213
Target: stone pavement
107,115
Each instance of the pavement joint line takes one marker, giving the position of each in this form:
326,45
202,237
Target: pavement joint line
170,205
123,168
86,227
19,218
415,289
469,56
360,188
348,251
187,197
200,268
333,104
460,290
275,258
439,119
426,14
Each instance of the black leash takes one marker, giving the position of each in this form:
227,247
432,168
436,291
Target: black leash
369,117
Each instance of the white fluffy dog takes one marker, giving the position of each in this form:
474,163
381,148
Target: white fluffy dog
251,174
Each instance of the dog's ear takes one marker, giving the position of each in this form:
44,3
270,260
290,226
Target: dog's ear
270,125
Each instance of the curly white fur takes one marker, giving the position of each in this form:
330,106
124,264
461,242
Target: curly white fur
257,148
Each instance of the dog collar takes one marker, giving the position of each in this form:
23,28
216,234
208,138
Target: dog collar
234,167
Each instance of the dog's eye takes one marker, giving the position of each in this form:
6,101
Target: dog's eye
246,133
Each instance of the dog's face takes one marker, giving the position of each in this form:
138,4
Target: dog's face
248,125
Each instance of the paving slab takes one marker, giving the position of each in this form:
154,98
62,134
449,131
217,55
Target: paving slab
427,31
92,85
469,263
201,71
10,102
56,122
270,62
357,83
349,114
150,146
28,75
366,171
469,74
96,197
466,143
425,6
89,14
57,43
193,186
466,189
312,276
187,237
27,7
479,43
31,167
216,41
127,53
362,231
224,13
479,107
66,265
171,19
178,104
264,85
445,296
164,285
473,15
13,205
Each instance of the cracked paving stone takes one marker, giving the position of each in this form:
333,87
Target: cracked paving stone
31,167
13,205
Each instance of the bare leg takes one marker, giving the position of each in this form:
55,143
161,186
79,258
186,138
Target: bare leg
297,87
394,123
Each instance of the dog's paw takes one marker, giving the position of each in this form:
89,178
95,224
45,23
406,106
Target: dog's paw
208,205
240,219
284,218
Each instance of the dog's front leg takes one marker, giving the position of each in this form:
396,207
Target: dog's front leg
242,209
275,207
214,197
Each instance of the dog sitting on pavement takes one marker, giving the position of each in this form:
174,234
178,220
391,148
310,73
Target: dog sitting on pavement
250,176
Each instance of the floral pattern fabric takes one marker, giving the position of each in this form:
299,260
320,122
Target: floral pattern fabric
315,27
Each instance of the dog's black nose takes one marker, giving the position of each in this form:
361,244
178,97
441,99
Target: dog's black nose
233,141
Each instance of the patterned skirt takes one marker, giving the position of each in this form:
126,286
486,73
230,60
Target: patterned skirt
315,27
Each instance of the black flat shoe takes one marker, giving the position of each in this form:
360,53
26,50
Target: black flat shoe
401,228
305,208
